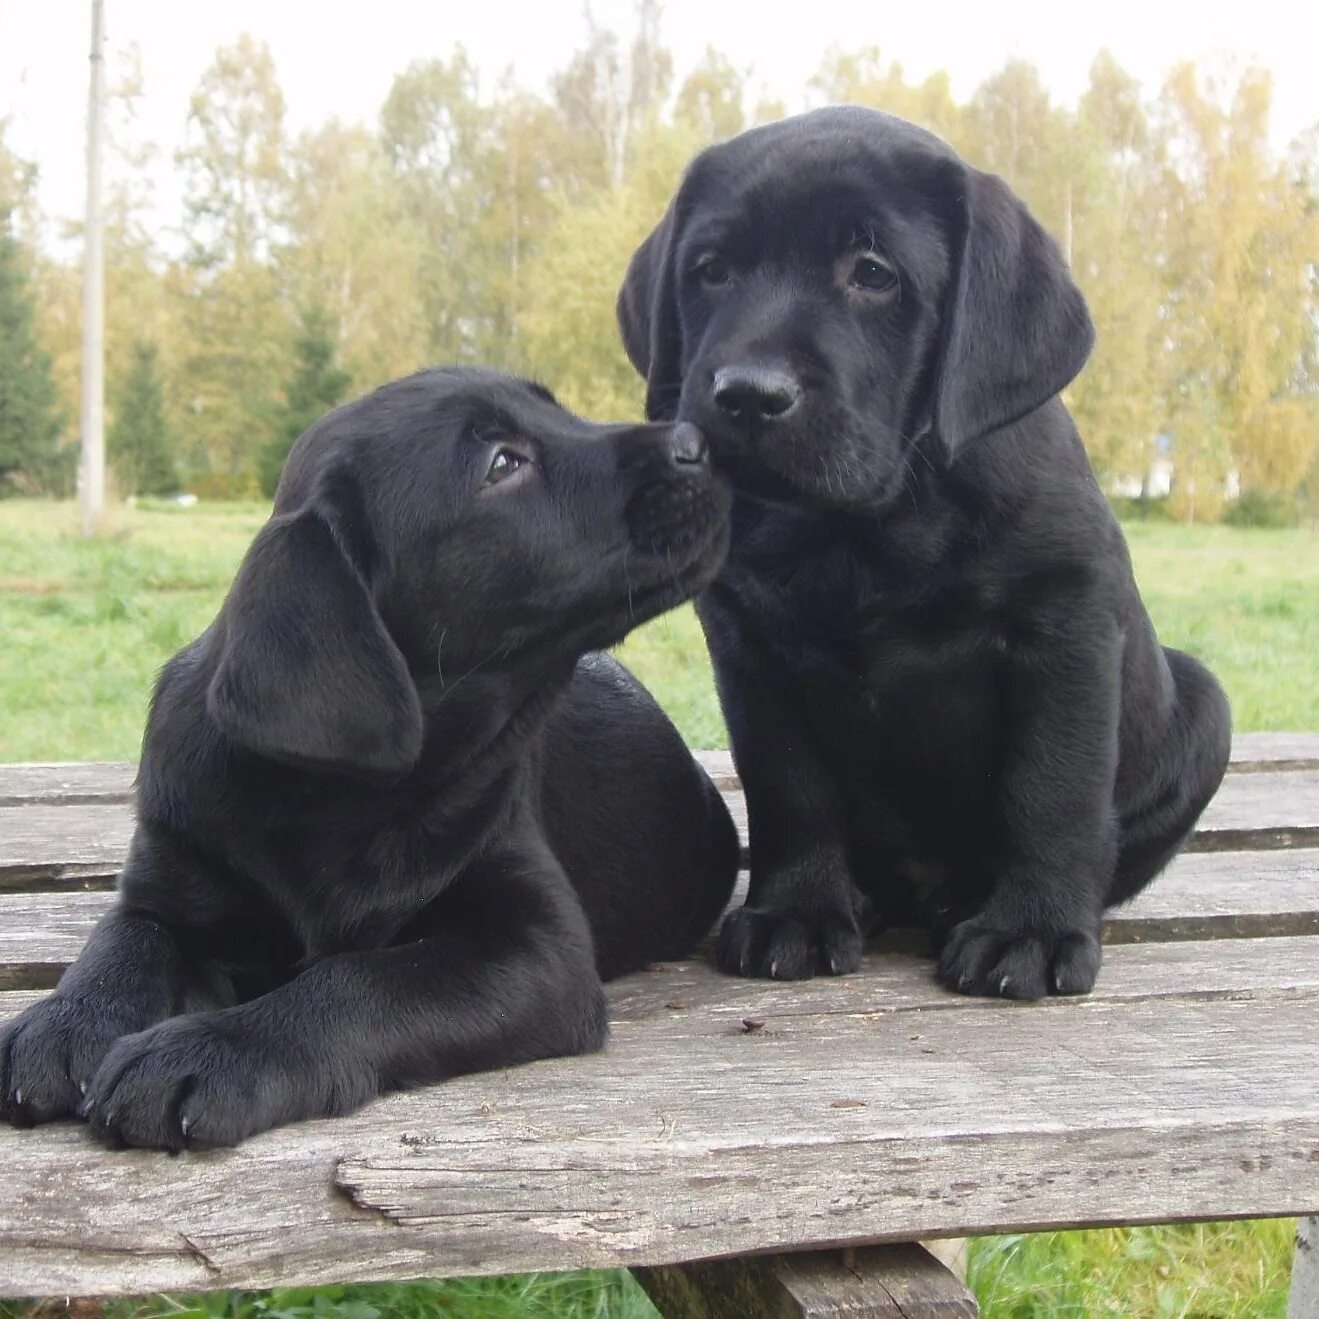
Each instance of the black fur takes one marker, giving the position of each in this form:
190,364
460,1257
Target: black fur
945,698
396,819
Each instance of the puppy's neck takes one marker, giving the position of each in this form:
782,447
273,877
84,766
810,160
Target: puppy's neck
476,726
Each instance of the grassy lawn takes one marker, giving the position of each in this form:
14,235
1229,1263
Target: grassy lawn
87,624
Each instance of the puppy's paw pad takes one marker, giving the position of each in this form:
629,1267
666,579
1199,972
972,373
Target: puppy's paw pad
783,946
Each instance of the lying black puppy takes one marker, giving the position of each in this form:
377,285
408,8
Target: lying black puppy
394,821
945,698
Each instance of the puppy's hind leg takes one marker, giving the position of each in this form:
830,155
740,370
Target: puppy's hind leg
1195,759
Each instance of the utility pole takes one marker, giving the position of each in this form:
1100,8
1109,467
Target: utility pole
92,468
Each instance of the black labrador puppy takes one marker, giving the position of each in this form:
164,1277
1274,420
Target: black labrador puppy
945,698
396,820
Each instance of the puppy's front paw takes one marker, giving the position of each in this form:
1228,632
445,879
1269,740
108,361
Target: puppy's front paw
200,1080
778,945
49,1055
979,958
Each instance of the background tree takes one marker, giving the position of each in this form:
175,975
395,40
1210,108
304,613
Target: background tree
236,328
1118,399
316,386
481,221
138,444
30,418
1239,237
353,248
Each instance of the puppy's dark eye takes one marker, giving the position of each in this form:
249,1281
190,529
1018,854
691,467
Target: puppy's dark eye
713,270
503,465
874,274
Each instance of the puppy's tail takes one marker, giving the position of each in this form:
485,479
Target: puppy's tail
1200,733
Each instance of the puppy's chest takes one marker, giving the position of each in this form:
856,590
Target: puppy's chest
353,877
878,630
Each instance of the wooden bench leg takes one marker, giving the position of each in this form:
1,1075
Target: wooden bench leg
874,1282
1303,1300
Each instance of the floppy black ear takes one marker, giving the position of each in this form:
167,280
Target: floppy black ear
647,311
1016,330
307,672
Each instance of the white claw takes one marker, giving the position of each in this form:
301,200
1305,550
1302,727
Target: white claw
18,1096
773,968
183,1125
82,1086
1003,984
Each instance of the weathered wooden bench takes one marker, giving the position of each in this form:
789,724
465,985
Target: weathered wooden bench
732,1121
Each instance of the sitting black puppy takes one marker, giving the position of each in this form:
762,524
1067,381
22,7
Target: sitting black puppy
394,821
945,698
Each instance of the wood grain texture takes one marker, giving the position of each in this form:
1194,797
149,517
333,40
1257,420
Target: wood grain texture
41,933
871,1108
1162,1097
667,996
66,784
1205,895
45,846
875,1282
82,846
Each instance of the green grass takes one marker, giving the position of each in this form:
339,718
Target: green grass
1206,1270
86,624
533,1296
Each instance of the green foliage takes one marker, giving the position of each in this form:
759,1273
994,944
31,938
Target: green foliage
316,386
1255,509
480,221
1223,1270
1139,509
138,443
531,1296
30,419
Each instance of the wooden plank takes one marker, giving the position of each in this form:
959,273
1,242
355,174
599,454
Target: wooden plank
890,982
1303,1297
667,996
693,1137
1259,811
66,784
1202,896
1262,810
1207,895
49,846
875,1282
1274,751
41,933
44,847
74,783
903,982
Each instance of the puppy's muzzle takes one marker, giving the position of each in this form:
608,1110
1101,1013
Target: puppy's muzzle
752,393
687,446
679,496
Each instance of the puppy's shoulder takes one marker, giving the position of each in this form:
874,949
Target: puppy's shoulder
183,752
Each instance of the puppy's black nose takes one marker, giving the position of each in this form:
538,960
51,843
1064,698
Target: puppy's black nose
755,391
687,444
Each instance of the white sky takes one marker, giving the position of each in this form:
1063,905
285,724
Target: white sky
337,58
